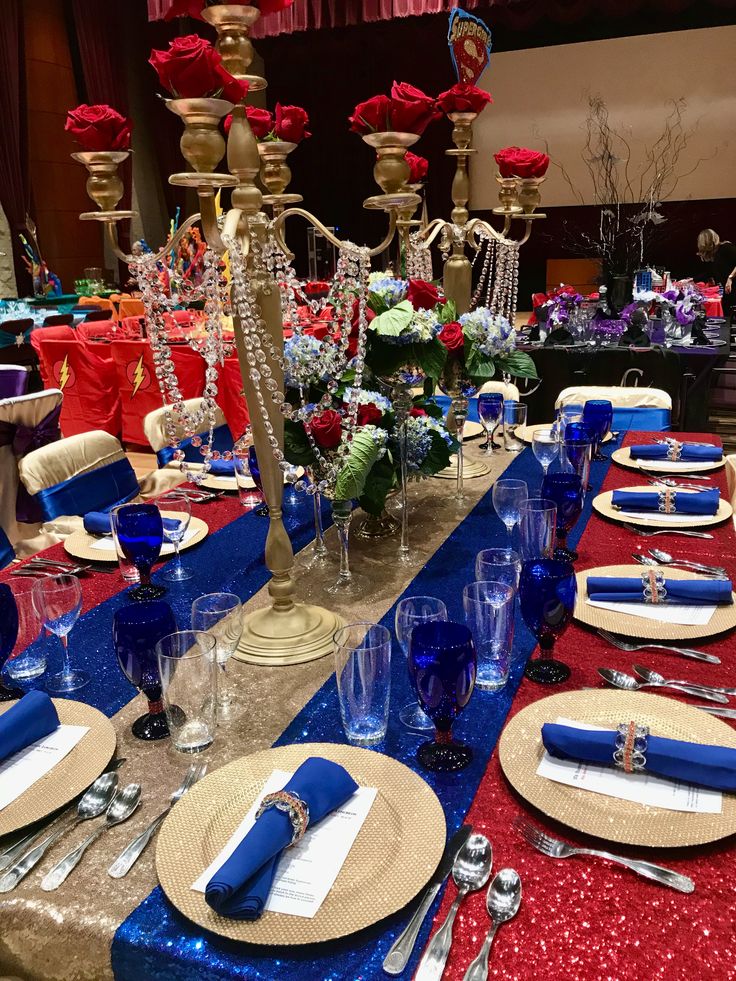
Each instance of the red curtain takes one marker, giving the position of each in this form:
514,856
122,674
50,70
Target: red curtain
14,187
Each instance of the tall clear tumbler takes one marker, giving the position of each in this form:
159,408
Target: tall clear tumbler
187,663
363,674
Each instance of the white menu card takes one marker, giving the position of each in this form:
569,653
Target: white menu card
23,769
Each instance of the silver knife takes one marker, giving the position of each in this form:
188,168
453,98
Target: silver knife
725,713
398,957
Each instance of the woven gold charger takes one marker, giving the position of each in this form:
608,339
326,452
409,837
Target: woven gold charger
79,543
525,433
71,775
213,482
395,853
603,505
723,619
520,750
623,457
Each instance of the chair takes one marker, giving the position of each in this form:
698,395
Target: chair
90,330
82,473
97,315
13,380
59,319
26,423
509,391
138,386
154,426
132,327
99,303
633,407
63,333
14,342
129,307
731,478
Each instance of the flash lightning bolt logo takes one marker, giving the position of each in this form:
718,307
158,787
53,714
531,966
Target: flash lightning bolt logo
139,376
64,373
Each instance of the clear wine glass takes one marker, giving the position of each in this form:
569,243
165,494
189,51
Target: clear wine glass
508,496
545,446
176,513
58,600
410,612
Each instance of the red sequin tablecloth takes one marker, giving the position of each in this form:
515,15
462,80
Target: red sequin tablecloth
584,919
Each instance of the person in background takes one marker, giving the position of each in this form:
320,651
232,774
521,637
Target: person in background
720,257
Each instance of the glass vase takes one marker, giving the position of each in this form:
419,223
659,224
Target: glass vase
342,516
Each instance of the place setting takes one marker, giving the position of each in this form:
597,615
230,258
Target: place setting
670,457
664,507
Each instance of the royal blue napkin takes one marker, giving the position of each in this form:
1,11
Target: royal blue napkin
705,766
240,887
31,718
680,592
222,468
691,452
697,502
98,523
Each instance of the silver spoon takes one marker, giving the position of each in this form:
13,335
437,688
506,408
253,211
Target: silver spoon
647,674
627,683
471,870
119,810
502,902
649,561
666,559
94,803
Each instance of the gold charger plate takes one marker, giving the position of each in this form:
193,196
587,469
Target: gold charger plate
472,430
602,504
230,484
520,750
641,627
79,543
623,457
71,775
525,433
395,853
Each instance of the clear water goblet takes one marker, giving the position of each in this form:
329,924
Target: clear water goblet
176,514
545,446
411,611
58,600
508,496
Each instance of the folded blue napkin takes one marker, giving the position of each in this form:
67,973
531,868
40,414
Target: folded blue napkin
31,718
697,502
222,468
680,592
240,887
98,523
691,452
704,766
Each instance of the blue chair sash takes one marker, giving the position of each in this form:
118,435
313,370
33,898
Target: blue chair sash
98,490
222,441
642,419
7,553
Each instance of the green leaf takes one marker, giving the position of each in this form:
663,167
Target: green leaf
481,366
376,303
297,448
379,482
393,321
384,358
430,407
351,479
448,313
438,457
518,363
430,357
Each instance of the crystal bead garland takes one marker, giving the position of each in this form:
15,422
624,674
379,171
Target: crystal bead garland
418,259
485,280
213,349
498,283
350,283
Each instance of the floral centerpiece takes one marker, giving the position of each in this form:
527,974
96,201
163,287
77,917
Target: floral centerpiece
478,345
99,128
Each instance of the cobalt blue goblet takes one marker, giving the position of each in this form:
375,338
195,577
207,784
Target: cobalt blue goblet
140,532
442,668
598,417
547,592
8,637
136,629
566,490
490,413
255,472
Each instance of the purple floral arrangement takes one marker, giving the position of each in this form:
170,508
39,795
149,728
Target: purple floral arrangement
608,328
560,307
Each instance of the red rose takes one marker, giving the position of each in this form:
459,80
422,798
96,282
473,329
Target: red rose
452,336
369,414
371,116
422,295
261,121
463,98
291,123
411,109
326,428
416,412
418,166
99,128
272,6
185,8
192,69
514,161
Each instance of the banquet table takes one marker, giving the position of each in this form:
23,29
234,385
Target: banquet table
580,919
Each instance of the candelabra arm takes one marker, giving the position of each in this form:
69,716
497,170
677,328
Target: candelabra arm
210,226
111,234
477,224
427,235
278,225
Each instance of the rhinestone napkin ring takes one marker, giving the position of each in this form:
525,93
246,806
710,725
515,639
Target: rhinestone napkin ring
631,747
674,451
293,806
652,582
667,501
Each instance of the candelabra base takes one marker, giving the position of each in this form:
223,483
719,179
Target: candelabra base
471,468
303,633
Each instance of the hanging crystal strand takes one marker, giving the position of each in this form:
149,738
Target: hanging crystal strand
492,266
485,278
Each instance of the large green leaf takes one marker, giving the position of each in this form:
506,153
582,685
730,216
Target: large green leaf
479,366
376,303
379,482
448,313
297,448
393,321
351,479
438,457
385,359
431,357
518,363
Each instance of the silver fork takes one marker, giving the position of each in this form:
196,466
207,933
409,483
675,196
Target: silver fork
554,848
132,852
630,646
674,483
666,531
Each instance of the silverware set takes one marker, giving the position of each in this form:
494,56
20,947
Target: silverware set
665,531
195,496
55,567
709,571
627,682
102,798
683,485
624,644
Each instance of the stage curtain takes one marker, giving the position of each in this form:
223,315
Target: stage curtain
14,185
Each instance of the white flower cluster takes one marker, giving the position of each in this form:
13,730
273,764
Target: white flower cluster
366,397
388,289
307,360
491,333
380,438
